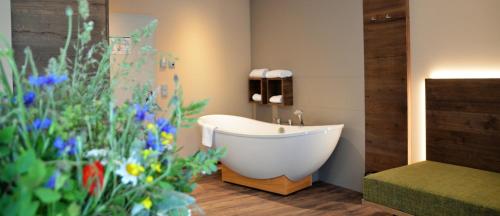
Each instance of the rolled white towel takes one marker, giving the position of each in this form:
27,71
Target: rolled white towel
259,73
279,74
276,99
207,134
256,97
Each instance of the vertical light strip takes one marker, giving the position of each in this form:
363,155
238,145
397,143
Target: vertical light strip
420,142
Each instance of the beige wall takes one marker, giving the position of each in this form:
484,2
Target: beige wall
5,25
459,36
212,41
122,25
321,41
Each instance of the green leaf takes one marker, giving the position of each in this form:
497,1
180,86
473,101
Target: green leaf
120,201
166,186
70,196
8,172
9,205
36,173
7,134
4,151
74,209
25,161
66,185
195,107
174,200
30,209
25,203
61,180
47,195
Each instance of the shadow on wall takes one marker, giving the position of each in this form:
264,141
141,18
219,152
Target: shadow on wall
345,152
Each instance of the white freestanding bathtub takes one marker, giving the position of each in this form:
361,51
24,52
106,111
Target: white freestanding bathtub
258,150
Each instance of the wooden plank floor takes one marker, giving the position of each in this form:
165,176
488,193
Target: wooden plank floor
218,198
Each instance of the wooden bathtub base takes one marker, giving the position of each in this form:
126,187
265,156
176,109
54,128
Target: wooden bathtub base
280,185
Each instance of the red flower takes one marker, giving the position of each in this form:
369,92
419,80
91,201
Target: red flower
93,176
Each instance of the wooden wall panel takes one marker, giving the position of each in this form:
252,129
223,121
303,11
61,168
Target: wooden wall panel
463,122
386,57
42,25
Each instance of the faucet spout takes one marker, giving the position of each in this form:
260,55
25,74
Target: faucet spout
299,114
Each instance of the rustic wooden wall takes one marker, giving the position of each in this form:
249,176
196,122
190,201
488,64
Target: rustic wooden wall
386,57
42,25
463,122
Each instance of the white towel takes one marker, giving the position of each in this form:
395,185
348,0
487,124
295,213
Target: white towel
259,73
257,97
279,74
276,99
207,134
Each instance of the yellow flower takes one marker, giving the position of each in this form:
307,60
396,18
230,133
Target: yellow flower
156,167
147,203
151,127
149,179
134,169
167,138
146,153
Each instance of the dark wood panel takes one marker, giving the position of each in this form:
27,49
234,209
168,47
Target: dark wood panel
218,198
386,62
381,7
42,25
390,67
463,122
387,39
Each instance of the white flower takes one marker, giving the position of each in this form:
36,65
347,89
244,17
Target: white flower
97,153
100,154
130,171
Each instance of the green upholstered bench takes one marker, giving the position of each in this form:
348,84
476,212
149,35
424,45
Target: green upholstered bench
433,188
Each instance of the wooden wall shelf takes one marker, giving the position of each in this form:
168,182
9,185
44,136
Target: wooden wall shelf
281,86
257,86
269,87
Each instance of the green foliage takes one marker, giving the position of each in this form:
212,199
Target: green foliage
66,147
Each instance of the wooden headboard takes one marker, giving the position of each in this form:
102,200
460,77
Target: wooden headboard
463,122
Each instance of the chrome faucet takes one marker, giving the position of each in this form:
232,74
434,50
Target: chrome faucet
277,120
299,114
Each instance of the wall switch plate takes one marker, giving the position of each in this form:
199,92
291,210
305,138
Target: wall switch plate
171,65
163,91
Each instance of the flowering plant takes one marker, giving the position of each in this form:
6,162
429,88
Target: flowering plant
67,149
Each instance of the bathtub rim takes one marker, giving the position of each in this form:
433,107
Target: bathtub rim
313,129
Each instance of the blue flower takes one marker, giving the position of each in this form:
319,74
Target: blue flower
153,143
29,98
41,124
63,147
71,144
47,80
165,126
51,183
142,113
